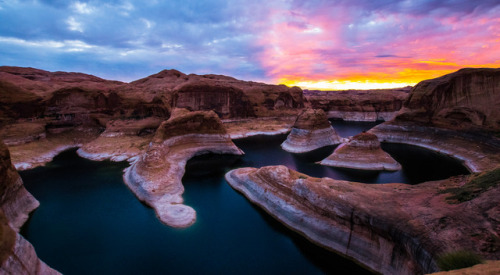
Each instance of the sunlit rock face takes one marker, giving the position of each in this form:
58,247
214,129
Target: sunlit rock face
352,105
17,256
156,176
362,152
311,131
389,228
465,100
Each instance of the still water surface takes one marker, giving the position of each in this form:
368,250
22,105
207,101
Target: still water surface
90,223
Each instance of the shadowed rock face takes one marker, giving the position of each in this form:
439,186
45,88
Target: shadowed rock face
156,176
63,102
311,131
389,228
466,99
363,152
17,255
352,105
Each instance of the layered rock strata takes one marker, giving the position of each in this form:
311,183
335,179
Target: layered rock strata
464,100
389,228
156,176
456,114
362,152
17,256
362,105
477,151
311,131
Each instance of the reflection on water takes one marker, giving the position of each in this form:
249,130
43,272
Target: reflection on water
90,223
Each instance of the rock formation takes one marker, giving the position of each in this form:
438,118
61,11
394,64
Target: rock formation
389,228
156,176
363,152
456,114
59,110
363,105
311,131
464,100
17,256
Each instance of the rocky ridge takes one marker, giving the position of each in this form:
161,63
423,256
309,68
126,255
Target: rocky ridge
311,131
365,222
358,105
156,176
363,152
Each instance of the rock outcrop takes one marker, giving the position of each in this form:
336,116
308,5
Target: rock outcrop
456,114
362,152
156,176
59,110
363,105
389,228
465,100
311,131
17,256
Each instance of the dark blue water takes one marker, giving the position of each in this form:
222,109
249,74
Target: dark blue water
90,223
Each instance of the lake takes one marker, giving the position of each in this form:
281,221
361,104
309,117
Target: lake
90,223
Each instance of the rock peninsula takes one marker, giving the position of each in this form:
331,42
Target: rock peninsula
362,152
389,228
155,177
311,131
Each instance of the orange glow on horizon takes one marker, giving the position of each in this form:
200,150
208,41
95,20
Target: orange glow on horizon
404,78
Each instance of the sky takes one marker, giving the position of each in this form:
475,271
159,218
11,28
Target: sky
314,44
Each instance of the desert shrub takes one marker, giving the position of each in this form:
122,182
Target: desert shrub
458,259
477,184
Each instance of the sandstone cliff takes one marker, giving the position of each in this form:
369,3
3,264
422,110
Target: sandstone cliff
363,105
456,114
464,100
311,131
389,228
43,113
17,256
156,176
363,152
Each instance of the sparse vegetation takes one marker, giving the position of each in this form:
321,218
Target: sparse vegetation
477,184
458,259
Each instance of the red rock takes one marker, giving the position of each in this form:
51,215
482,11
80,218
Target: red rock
464,100
354,105
363,152
311,131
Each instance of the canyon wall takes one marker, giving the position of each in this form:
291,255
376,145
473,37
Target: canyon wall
468,99
362,105
17,256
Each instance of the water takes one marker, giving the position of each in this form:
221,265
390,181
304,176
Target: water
90,223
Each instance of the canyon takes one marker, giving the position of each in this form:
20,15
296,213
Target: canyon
159,122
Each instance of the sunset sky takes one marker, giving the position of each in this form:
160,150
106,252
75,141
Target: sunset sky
331,44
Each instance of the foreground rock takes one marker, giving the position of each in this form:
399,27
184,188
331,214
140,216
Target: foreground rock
363,105
156,176
363,152
17,256
389,228
311,131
